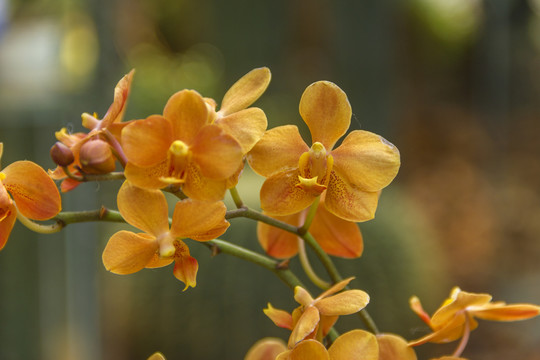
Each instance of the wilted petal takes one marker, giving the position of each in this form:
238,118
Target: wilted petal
199,220
187,112
245,91
145,209
503,312
366,160
326,111
276,242
147,177
6,224
278,151
344,303
127,252
146,142
351,344
246,126
280,194
336,236
34,192
392,347
310,350
306,324
185,266
279,317
199,187
349,202
266,349
217,154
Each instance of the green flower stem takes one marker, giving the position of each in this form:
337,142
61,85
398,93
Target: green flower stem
286,275
236,197
323,257
103,214
39,228
310,216
304,261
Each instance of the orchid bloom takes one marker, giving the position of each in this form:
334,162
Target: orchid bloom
33,194
90,153
349,177
336,236
315,317
181,148
456,316
128,252
246,125
355,344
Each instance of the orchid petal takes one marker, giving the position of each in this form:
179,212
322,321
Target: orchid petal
146,142
147,177
199,220
276,242
245,91
145,209
393,347
309,350
277,151
157,261
34,192
302,296
280,318
366,160
118,107
336,288
199,187
217,154
7,223
282,195
127,252
503,312
187,112
344,303
349,202
185,266
351,344
307,323
266,349
326,111
336,236
246,126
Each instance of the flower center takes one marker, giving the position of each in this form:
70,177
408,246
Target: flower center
315,166
166,245
178,158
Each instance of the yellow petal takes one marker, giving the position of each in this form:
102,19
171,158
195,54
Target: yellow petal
460,300
353,343
416,306
336,236
146,142
217,154
503,312
336,288
326,111
245,91
187,113
156,356
278,151
307,323
344,303
310,350
147,177
246,126
199,187
145,209
185,266
302,296
199,220
6,224
276,242
34,192
450,331
349,202
127,252
266,349
366,160
280,194
392,347
279,317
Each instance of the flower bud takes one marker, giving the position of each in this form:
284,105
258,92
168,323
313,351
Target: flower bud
96,157
61,154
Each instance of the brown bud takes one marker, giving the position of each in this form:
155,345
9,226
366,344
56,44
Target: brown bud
61,154
96,157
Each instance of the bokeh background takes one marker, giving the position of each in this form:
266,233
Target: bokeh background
453,83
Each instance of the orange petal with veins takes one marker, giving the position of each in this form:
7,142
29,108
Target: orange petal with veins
310,350
246,126
280,194
127,252
351,344
187,112
146,142
276,242
199,220
6,224
245,91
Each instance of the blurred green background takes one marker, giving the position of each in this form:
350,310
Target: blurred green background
453,83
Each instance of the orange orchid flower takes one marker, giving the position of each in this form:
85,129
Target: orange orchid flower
33,193
351,176
456,316
183,148
336,236
315,317
159,245
246,125
83,142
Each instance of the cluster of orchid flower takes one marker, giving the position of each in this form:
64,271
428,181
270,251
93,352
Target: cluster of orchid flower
312,194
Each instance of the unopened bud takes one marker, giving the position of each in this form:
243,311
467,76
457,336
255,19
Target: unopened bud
61,154
96,157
